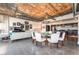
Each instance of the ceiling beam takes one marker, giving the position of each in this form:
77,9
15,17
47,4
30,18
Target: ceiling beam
53,7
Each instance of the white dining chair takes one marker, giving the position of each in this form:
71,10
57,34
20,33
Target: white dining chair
53,39
58,33
61,39
39,38
33,37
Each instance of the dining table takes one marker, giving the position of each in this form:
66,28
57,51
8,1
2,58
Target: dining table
46,35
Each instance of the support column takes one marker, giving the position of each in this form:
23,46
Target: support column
78,31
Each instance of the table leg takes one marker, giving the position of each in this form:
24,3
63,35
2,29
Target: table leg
46,42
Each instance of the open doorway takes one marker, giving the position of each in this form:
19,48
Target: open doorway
48,27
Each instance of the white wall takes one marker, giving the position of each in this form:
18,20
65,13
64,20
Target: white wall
14,20
4,23
78,29
66,28
62,20
59,21
64,17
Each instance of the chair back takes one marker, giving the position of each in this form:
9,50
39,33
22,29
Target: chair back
33,35
37,36
54,38
58,33
63,35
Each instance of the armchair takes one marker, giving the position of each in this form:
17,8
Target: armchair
39,38
53,39
61,39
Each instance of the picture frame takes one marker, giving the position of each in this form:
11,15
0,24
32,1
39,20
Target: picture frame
30,26
18,23
14,24
26,27
26,22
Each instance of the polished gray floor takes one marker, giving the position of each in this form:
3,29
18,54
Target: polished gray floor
25,47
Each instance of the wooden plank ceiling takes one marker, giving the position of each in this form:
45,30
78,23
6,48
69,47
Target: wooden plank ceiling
38,10
6,9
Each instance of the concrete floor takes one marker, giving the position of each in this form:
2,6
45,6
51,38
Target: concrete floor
25,47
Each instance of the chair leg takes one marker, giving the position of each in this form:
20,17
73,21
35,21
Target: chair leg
41,43
57,45
62,43
46,42
50,45
33,41
36,43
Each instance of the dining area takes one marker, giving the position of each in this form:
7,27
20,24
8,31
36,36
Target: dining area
39,29
50,39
